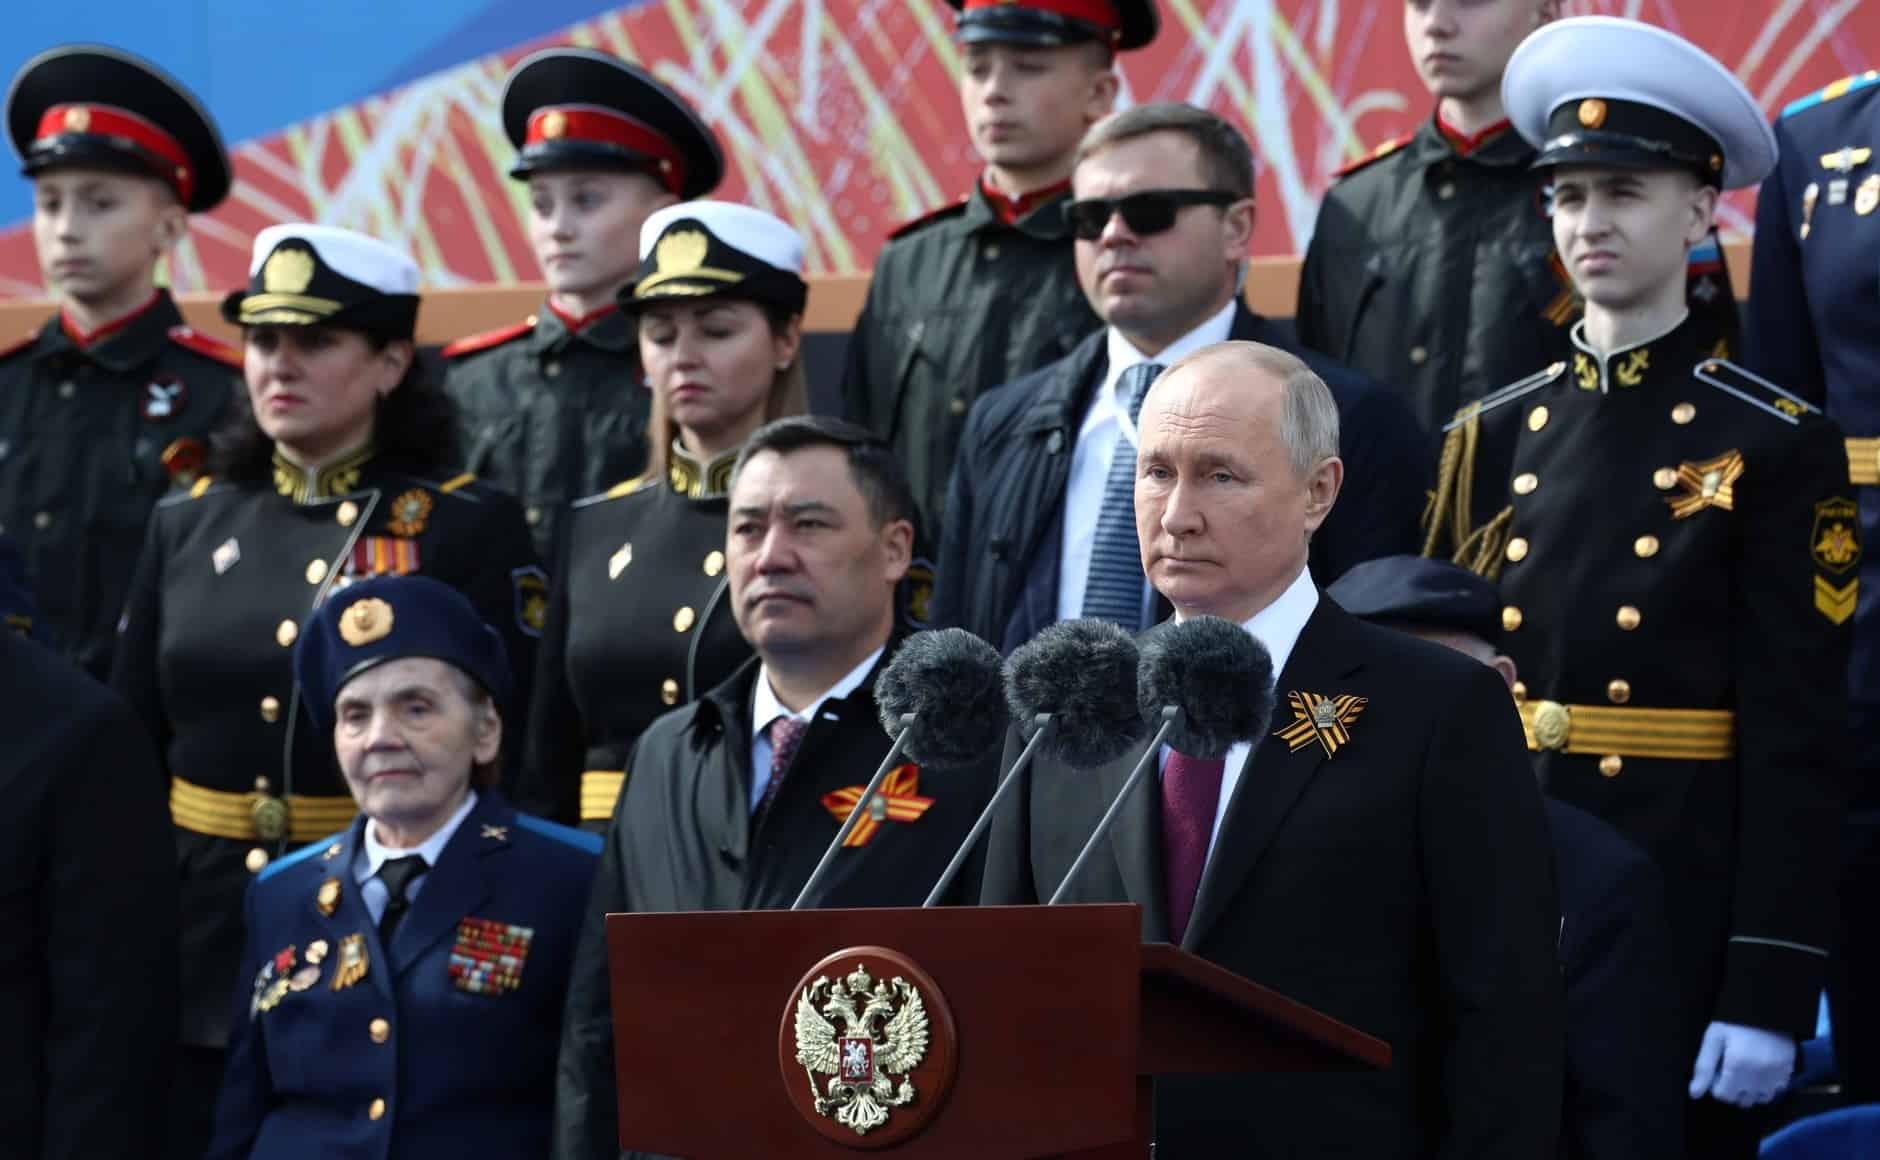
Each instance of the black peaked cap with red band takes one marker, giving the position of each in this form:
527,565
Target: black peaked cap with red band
576,108
1122,24
92,106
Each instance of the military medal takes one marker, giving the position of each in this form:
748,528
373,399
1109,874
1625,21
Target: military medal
1867,197
353,962
326,899
409,511
226,556
271,983
488,956
316,951
304,978
1326,720
897,800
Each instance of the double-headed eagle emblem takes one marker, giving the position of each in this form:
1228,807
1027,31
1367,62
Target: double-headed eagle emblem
882,1036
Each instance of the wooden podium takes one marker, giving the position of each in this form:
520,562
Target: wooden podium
1046,1026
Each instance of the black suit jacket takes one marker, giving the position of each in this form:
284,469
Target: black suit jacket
1403,885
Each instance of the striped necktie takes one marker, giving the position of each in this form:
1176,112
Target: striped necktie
1114,590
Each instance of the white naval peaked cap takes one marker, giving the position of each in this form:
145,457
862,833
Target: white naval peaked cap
364,259
747,229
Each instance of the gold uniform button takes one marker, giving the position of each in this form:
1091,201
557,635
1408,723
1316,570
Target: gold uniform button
1628,617
270,709
1510,618
1519,689
375,1110
1517,550
1525,483
379,1030
1419,355
348,514
682,620
714,562
957,406
1683,413
1645,547
533,515
1537,418
1619,692
669,691
1610,765
257,860
1665,478
316,571
286,634
42,520
67,389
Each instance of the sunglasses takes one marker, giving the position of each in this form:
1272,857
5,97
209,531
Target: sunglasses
1149,212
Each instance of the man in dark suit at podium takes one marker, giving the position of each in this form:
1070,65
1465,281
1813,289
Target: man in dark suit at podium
1390,868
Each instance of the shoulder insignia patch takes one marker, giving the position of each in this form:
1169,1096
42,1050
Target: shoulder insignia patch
456,482
1377,154
470,344
8,350
1834,545
192,339
566,835
1753,389
1839,88
932,215
531,585
1507,394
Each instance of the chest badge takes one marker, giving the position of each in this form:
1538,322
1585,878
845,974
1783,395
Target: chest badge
617,563
409,511
1809,197
1867,197
1326,720
898,800
488,956
1711,483
226,556
326,898
164,396
272,982
353,962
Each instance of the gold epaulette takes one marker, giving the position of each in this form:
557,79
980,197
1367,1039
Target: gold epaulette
1753,389
623,488
457,482
1450,514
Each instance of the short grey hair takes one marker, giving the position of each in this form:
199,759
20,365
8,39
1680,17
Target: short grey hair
1226,158
1308,413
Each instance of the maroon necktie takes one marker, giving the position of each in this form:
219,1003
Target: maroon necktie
1191,789
786,736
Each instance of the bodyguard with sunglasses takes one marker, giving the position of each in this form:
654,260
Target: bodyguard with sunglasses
1040,524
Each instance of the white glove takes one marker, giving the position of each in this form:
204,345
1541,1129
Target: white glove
1745,1066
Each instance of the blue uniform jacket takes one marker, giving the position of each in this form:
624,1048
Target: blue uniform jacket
442,1045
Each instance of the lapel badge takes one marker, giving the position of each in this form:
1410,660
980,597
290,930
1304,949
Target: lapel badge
226,556
326,899
1326,720
409,511
488,956
496,833
898,800
1711,483
617,563
353,962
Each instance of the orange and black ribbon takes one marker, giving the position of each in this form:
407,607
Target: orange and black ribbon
897,800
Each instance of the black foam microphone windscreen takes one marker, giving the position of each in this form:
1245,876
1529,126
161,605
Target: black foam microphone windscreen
1219,675
1082,673
952,683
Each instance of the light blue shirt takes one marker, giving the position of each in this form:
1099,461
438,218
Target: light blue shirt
765,709
373,854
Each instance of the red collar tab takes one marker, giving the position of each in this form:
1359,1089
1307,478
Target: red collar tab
1100,13
577,322
1010,209
1464,144
606,127
109,121
83,340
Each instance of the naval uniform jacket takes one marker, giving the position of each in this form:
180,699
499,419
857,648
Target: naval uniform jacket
1401,884
548,413
434,1051
229,572
91,436
640,621
684,838
1666,543
959,302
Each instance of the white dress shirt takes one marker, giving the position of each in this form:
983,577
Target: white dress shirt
374,854
765,708
1277,627
1105,418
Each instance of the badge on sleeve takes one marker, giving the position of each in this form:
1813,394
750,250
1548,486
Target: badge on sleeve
488,956
531,585
1835,541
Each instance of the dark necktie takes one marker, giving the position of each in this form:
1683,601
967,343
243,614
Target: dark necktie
398,875
786,737
1191,790
1113,587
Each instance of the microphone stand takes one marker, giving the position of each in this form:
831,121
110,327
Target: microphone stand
855,815
1171,717
1044,725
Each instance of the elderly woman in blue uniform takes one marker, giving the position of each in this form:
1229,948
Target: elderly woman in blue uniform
337,467
639,621
389,965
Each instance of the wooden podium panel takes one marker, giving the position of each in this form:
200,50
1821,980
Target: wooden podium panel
1045,1002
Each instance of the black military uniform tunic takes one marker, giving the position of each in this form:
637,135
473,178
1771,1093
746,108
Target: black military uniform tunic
228,574
640,621
549,412
959,303
91,436
1678,555
1432,268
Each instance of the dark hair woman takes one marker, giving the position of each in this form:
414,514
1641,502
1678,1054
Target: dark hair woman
335,467
639,621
